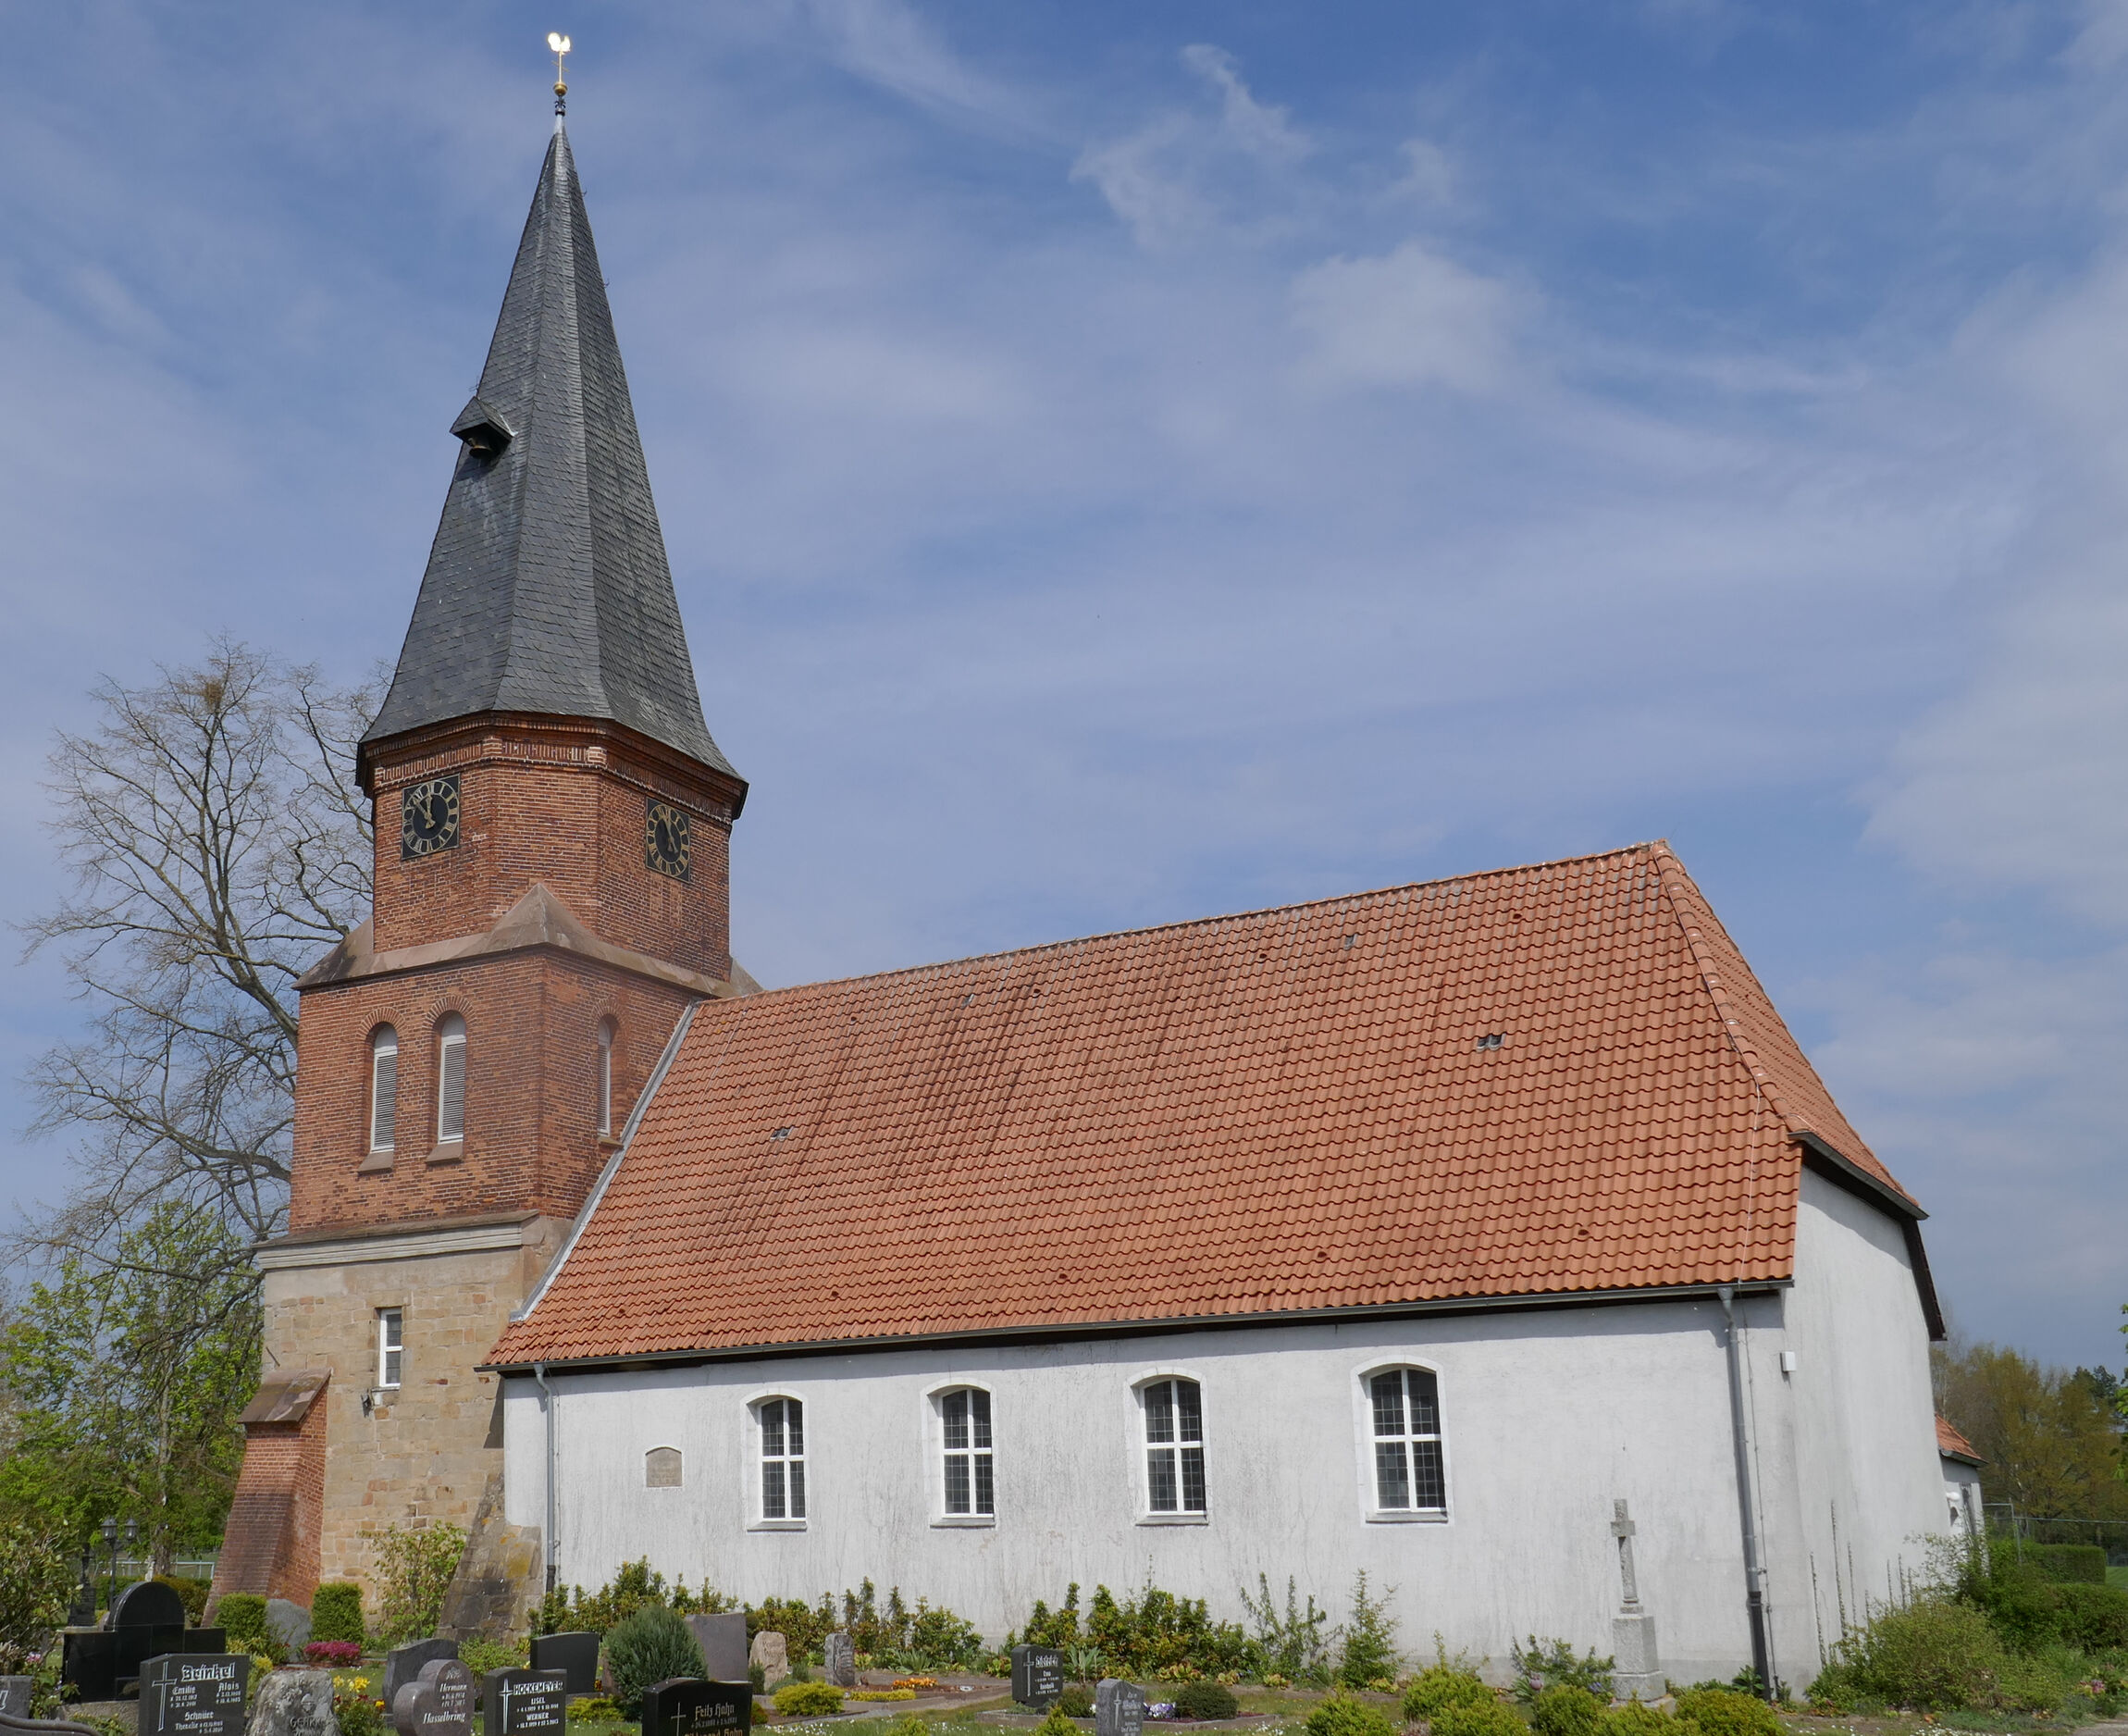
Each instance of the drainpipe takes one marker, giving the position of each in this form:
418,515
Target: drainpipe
1747,1455
546,1394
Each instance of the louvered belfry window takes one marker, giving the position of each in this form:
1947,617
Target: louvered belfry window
1408,1473
383,1087
970,1486
783,1458
1174,1447
605,1105
450,1079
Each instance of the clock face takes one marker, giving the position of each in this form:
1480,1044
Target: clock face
429,818
666,849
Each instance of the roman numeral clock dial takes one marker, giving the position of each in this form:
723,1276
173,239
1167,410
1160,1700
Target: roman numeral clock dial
667,848
427,818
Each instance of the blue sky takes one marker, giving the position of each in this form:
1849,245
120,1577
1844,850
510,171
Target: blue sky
1124,463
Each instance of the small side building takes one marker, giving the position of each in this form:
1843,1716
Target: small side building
1961,1468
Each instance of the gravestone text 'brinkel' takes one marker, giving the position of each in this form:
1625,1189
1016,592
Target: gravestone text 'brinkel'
187,1695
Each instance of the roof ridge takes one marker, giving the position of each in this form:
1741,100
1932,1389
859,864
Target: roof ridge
1207,922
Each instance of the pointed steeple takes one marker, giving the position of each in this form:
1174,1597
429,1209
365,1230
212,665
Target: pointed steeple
548,589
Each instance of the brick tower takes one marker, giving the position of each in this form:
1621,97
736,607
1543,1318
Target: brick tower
553,830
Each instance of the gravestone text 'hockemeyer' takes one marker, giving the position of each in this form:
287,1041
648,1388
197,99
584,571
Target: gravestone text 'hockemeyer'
689,1707
525,1702
1037,1676
191,1694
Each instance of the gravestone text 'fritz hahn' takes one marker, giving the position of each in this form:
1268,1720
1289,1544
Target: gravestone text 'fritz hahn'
1118,1708
525,1702
1037,1676
688,1707
189,1695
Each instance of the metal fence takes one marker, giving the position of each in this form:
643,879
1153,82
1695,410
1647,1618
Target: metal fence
2005,1522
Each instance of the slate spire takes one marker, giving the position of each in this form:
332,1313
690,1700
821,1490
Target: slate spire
548,589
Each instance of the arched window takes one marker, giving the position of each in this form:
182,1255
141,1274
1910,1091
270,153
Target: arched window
783,1458
1408,1473
605,1075
964,1416
383,1087
662,1467
1174,1447
450,1079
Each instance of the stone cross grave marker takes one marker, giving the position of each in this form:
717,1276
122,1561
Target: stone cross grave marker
1037,1676
839,1652
575,1655
404,1663
525,1702
438,1702
723,1643
686,1707
1118,1708
1638,1669
187,1694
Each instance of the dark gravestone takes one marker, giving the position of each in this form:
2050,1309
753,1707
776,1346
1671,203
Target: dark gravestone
404,1663
575,1655
186,1694
686,1707
147,1604
15,1695
838,1659
89,1662
1118,1708
525,1702
723,1643
1037,1676
438,1702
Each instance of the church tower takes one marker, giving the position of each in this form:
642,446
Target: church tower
552,894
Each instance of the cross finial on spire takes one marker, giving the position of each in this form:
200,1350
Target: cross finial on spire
559,44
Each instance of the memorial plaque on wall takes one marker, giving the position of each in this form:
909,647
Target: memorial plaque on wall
1118,1708
575,1655
525,1702
438,1702
1037,1676
688,1708
193,1694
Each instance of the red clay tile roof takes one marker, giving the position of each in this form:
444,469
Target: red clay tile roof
1288,1109
1952,1445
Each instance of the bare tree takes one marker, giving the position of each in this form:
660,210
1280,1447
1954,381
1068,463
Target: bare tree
218,845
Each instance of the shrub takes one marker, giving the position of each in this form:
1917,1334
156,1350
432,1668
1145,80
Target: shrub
1725,1712
336,1614
483,1656
652,1645
354,1706
1077,1701
809,1699
242,1616
1151,1632
1548,1663
413,1568
1635,1719
333,1654
2092,1618
193,1592
1204,1700
2067,1563
1937,1655
1341,1714
35,1584
1057,1724
1564,1710
1442,1686
597,1708
1468,1718
1368,1648
1290,1645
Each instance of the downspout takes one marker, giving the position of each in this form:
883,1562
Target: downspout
1747,1455
547,1404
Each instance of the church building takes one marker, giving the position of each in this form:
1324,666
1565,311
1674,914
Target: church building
1469,1233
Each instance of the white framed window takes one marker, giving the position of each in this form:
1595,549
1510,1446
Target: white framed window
1174,1447
1409,1474
605,1084
783,1458
964,1425
450,1079
383,1087
391,1346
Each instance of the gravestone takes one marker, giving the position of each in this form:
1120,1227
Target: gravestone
294,1702
15,1695
723,1643
1638,1670
289,1623
146,1621
771,1654
1118,1708
838,1655
1037,1676
525,1702
688,1707
188,1694
575,1655
147,1604
438,1702
404,1663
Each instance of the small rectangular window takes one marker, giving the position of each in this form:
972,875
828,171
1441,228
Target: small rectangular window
1174,1447
783,1460
391,1346
1409,1475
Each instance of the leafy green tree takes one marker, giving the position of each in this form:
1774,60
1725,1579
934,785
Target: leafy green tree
2050,1435
125,1375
